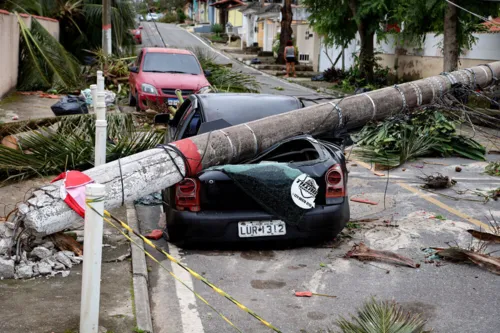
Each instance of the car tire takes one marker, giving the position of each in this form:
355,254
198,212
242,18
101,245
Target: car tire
137,107
132,101
169,234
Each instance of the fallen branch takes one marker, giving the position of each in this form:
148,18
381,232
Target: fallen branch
66,243
488,262
362,252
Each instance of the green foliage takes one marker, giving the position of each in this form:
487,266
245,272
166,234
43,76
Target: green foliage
44,63
428,133
70,145
424,16
181,16
217,28
493,169
382,317
169,17
223,78
80,22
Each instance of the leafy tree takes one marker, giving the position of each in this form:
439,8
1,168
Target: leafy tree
339,21
456,25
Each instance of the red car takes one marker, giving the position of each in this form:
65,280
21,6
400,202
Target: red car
158,72
137,34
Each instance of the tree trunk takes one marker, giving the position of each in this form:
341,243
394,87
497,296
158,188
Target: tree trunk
366,54
154,169
451,50
286,29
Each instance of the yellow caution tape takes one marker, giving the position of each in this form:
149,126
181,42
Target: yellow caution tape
193,273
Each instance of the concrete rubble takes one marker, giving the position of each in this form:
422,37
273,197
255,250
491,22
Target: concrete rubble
42,260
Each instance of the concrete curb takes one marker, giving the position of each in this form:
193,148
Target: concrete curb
139,275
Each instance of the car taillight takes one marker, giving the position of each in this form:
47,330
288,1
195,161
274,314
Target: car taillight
187,195
335,187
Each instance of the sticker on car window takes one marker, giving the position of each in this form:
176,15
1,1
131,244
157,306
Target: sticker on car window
304,190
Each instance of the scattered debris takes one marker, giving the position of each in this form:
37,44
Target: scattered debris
279,88
155,234
15,117
485,236
379,174
437,182
152,199
364,220
365,201
458,169
435,163
362,252
493,169
309,294
322,264
354,165
404,169
438,217
120,258
457,254
66,243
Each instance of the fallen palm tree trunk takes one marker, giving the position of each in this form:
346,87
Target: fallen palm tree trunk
153,170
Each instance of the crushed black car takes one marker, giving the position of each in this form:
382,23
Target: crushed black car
294,190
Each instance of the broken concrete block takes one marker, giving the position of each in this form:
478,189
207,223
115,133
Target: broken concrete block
24,271
77,260
36,272
65,273
49,261
41,252
23,208
48,188
5,231
5,245
63,259
59,267
44,268
10,225
68,254
48,245
6,268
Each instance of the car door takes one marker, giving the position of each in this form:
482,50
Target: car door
133,76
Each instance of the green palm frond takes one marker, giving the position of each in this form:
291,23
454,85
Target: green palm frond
44,62
69,144
382,317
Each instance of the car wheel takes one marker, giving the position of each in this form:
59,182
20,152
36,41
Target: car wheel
169,233
132,101
137,107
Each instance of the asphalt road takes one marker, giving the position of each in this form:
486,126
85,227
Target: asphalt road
179,38
451,297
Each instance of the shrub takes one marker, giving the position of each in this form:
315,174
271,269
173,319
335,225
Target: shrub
169,18
217,28
181,16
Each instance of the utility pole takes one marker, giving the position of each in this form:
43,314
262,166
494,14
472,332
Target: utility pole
137,175
106,27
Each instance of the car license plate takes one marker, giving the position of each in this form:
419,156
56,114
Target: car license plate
172,101
261,228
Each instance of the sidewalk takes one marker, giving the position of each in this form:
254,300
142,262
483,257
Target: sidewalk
24,107
45,305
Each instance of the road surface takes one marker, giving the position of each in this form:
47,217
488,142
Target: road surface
451,297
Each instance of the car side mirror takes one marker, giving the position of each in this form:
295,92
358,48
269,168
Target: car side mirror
207,73
162,118
133,69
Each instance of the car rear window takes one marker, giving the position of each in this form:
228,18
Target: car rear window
171,63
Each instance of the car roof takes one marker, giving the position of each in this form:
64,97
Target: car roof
241,108
166,50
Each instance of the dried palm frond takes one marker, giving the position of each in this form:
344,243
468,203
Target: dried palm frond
382,317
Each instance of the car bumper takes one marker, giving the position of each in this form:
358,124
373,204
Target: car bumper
143,100
322,222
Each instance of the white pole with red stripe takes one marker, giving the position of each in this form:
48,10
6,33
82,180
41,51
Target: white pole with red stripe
106,27
92,252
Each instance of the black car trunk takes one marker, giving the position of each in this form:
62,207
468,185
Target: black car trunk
219,193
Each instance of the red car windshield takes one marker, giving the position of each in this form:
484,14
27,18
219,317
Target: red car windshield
171,63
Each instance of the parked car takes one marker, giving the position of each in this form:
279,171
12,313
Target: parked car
212,208
152,17
137,34
158,72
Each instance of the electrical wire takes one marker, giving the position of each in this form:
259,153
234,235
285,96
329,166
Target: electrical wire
485,19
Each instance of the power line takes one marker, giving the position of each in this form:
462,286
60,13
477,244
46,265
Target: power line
485,19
